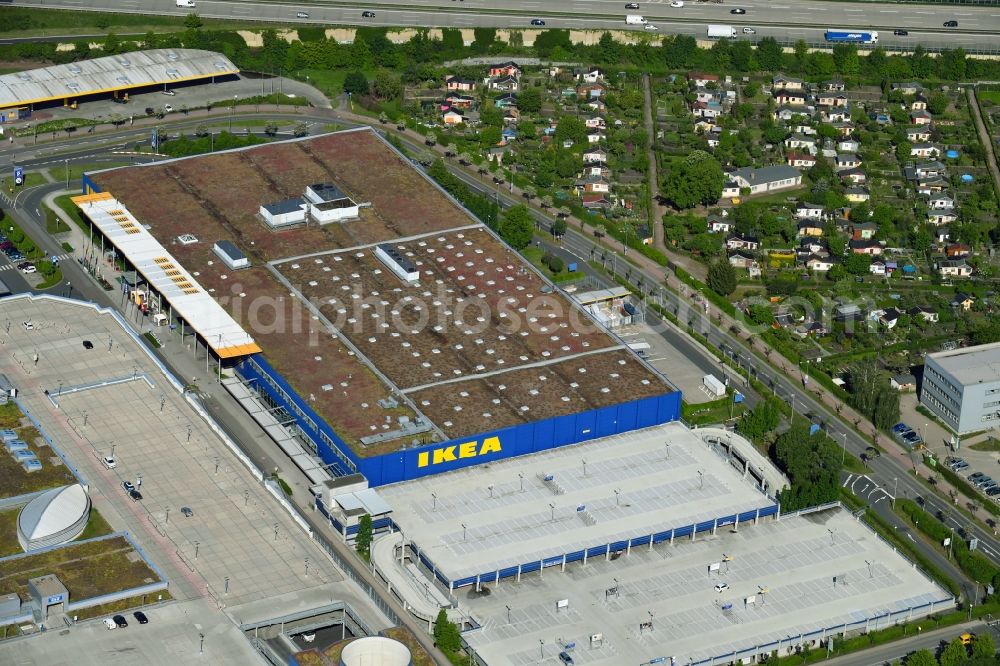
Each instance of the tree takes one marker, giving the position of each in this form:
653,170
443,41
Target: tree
530,100
112,44
770,54
937,103
363,542
954,654
983,647
760,315
764,418
558,228
572,128
857,264
517,227
386,85
921,658
192,21
446,634
697,179
356,83
722,277
812,463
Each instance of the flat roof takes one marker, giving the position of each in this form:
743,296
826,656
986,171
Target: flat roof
794,560
165,274
497,326
286,206
971,365
666,478
110,73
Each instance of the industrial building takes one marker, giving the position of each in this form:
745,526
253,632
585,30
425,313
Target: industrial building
115,76
962,387
407,338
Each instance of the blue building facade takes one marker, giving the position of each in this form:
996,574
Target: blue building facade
488,446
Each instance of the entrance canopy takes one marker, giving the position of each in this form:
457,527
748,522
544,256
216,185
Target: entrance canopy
166,276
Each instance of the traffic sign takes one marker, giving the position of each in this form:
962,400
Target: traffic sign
18,175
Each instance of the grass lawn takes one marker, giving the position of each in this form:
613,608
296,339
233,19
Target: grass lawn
329,82
54,224
72,211
989,445
48,282
406,637
96,526
989,96
534,255
86,569
8,532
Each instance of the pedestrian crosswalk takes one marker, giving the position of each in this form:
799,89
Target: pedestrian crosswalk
11,266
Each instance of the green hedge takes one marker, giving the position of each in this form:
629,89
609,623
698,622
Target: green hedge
973,564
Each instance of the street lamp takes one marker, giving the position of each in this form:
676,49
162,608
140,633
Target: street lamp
232,112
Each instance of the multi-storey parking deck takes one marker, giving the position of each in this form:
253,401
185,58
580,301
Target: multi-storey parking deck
776,586
595,500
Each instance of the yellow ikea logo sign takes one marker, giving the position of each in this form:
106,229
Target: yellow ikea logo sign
450,453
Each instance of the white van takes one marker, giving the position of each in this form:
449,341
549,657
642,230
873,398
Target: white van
185,3
630,19
108,622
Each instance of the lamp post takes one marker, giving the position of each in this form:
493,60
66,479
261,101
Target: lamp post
232,112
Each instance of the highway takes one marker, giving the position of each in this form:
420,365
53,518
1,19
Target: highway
786,21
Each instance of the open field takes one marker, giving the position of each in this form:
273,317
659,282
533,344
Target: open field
87,569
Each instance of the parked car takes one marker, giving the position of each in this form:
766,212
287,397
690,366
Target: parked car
975,476
27,268
135,495
565,658
87,344
958,467
721,587
140,617
169,93
167,108
128,486
109,623
120,621
900,427
186,510
109,462
994,491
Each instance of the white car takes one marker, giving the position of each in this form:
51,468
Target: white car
29,269
650,27
109,462
749,31
167,108
721,587
109,623
677,3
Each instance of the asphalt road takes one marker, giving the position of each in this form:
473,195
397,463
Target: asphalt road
788,20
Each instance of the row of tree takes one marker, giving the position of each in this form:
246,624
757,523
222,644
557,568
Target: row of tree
872,396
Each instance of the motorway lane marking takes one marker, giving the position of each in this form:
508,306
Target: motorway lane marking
888,11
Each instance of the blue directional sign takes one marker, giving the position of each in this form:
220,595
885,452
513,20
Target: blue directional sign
737,397
154,138
18,175
814,428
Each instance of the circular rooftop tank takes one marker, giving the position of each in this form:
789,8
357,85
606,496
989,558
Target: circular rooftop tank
375,651
54,517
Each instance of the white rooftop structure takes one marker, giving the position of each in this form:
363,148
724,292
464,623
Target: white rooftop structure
601,497
971,365
54,517
166,275
112,73
797,581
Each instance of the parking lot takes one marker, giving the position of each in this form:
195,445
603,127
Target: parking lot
763,587
110,399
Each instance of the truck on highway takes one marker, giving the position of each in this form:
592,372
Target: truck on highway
185,3
856,36
721,31
635,19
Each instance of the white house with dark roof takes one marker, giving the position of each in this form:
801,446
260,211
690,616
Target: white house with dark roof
764,179
906,87
847,161
782,82
924,150
941,201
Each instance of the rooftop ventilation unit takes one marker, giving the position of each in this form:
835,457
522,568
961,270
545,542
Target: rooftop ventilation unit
75,69
73,85
173,73
397,262
187,239
231,255
124,62
24,77
172,56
